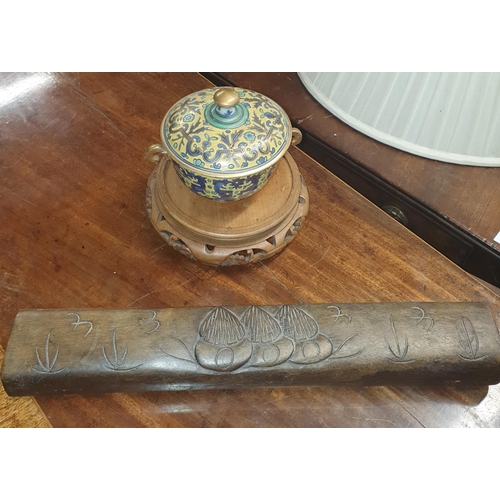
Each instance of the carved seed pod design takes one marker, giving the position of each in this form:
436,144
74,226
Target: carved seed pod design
261,325
271,348
312,350
221,327
297,324
310,346
222,346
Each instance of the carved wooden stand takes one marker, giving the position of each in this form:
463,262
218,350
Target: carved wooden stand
95,350
228,233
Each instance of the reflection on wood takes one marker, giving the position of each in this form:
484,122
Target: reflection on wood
76,235
19,412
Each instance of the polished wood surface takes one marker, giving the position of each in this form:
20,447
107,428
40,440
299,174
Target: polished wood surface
75,234
453,207
82,351
233,233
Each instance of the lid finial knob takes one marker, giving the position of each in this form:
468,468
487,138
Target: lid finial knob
226,97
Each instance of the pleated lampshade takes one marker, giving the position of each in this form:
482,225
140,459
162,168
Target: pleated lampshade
451,117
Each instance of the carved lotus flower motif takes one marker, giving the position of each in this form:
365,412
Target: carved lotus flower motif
222,346
310,346
271,348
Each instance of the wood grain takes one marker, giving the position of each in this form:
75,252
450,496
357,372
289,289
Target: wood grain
19,412
225,234
468,196
131,350
75,234
454,208
233,220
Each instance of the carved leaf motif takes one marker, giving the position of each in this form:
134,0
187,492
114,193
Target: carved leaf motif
48,366
261,325
115,363
468,337
400,351
177,349
296,323
221,327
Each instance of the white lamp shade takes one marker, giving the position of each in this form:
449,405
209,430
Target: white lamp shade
451,117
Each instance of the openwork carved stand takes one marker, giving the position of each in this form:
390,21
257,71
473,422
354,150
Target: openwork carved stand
228,233
96,350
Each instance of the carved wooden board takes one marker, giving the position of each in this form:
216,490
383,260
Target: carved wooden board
96,350
20,412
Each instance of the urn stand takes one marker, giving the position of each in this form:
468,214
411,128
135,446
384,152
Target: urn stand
225,191
221,233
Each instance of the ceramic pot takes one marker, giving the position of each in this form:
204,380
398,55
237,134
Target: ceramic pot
225,142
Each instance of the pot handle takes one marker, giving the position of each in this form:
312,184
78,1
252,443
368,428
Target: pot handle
154,153
296,136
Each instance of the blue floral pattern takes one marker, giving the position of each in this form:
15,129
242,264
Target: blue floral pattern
194,143
224,189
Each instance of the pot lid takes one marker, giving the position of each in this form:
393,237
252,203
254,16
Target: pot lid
226,130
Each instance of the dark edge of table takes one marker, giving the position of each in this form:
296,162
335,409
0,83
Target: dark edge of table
469,252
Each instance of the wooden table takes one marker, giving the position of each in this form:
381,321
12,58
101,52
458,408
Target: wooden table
455,208
74,233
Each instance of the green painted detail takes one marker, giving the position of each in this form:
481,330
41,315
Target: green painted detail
226,118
